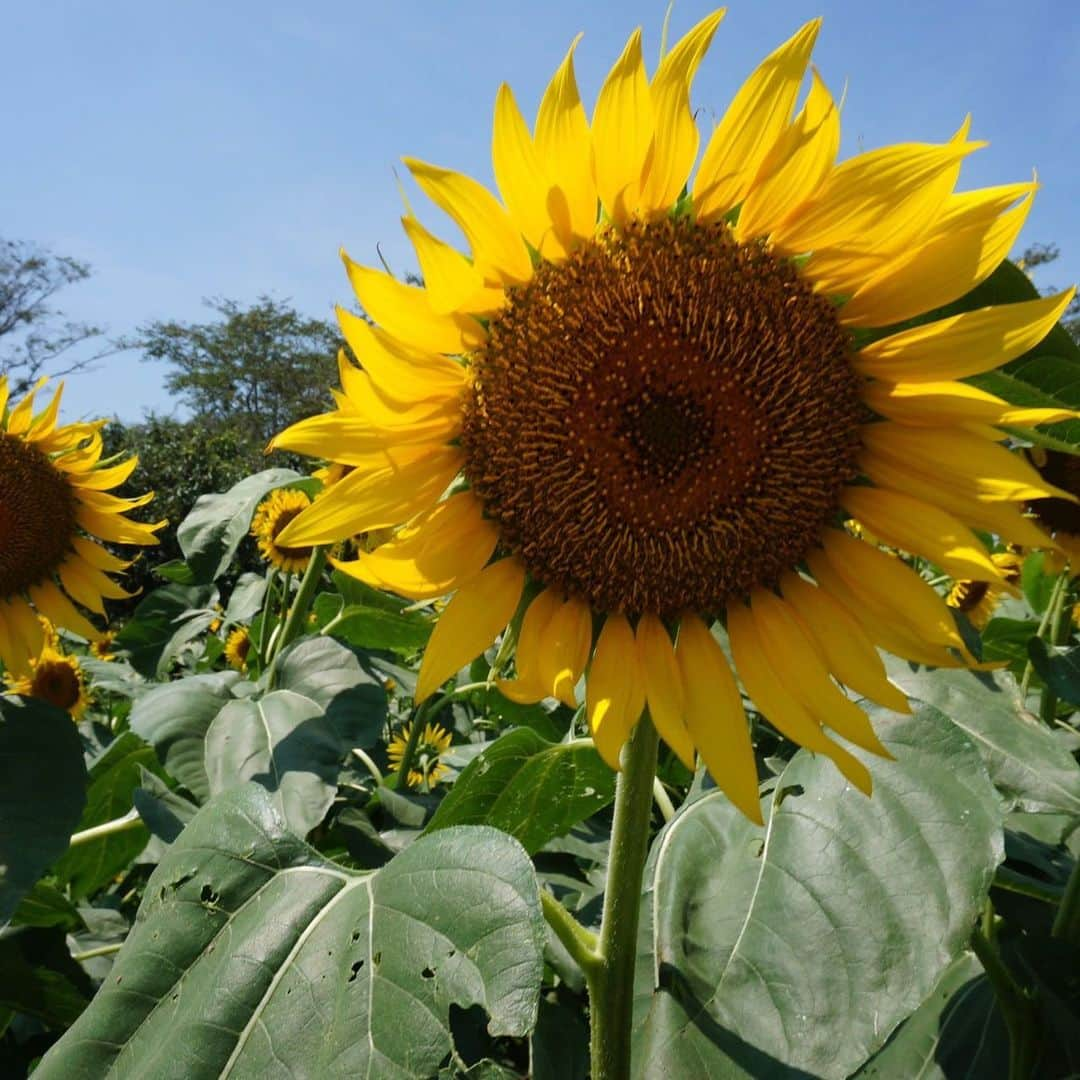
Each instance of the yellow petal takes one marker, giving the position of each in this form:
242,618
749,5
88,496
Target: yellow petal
449,278
676,136
1000,518
19,420
796,658
979,207
25,635
779,707
97,556
663,686
759,113
4,391
400,374
713,710
984,468
115,528
962,345
498,250
622,132
405,313
878,201
889,586
529,684
796,166
393,487
44,424
351,438
564,144
615,690
473,619
104,479
564,649
523,179
938,272
920,529
60,611
849,654
433,554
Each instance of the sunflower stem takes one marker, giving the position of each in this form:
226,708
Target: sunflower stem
1044,623
305,595
1018,1008
579,942
1056,635
130,820
611,981
1067,920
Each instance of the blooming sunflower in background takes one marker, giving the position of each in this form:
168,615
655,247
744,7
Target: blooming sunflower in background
1059,517
102,649
237,647
55,512
646,401
55,678
434,741
271,517
979,599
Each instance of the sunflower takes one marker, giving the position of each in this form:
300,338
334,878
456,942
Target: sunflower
978,599
55,512
1059,516
271,517
645,402
102,649
434,741
55,678
237,647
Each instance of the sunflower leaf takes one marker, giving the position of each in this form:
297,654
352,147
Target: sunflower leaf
803,944
282,962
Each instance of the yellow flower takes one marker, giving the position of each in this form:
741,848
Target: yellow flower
54,512
271,517
655,407
55,678
1060,517
978,599
237,647
102,649
434,741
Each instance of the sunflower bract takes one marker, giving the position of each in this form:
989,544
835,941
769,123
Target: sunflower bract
640,390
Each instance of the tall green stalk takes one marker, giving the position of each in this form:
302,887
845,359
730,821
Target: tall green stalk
611,979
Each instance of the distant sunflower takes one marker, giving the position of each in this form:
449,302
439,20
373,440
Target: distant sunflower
55,511
979,599
237,647
103,648
271,517
434,741
651,395
1059,516
55,678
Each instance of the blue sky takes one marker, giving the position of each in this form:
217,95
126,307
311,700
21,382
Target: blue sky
200,149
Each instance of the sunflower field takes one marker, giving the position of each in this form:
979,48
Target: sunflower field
666,663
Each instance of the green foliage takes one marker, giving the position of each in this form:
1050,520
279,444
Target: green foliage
240,903
759,946
42,793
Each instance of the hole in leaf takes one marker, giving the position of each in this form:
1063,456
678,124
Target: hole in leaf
377,959
355,970
427,973
207,895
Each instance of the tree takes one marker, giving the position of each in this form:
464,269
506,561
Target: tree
1040,255
256,369
33,333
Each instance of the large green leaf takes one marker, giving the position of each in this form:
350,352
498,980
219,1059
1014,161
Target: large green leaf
1027,764
162,623
803,944
346,686
114,776
174,719
370,627
211,533
281,963
528,787
42,793
1059,668
283,742
956,1032
38,976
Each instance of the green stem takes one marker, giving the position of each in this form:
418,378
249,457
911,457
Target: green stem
419,719
1017,1008
130,820
611,983
363,756
1067,921
305,595
101,950
1059,629
579,942
663,800
1011,881
263,644
1058,590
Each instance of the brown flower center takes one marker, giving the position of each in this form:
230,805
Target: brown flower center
1063,471
37,515
663,420
57,682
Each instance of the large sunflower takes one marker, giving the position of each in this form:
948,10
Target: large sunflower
54,511
641,406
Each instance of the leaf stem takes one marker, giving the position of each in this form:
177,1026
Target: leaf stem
580,943
1059,628
1017,1008
1067,920
1044,623
101,950
662,799
130,820
611,982
305,595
